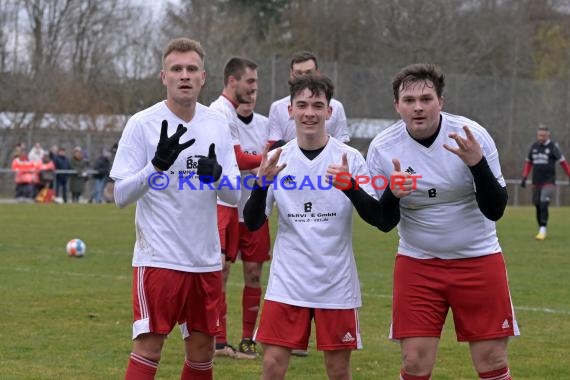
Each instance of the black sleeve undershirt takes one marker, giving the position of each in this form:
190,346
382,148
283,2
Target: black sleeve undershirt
254,210
383,214
490,195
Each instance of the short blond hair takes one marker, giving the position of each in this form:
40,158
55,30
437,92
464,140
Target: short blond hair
183,45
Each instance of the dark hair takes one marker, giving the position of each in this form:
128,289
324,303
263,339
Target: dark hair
317,84
236,67
302,56
543,127
183,45
419,72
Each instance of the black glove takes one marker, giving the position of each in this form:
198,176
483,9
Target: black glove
523,182
277,144
208,168
168,148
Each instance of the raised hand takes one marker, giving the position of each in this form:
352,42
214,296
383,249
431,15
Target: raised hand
268,168
339,174
401,183
468,149
169,148
209,170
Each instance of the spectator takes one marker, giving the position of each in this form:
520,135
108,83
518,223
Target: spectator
102,167
36,153
25,171
78,179
61,179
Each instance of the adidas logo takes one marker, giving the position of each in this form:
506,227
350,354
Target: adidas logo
506,324
347,338
289,180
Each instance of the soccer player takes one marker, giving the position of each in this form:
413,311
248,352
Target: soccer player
449,254
543,155
313,272
240,87
282,127
170,160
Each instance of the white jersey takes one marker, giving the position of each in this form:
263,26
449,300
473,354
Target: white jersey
313,263
176,227
441,217
282,127
253,138
225,107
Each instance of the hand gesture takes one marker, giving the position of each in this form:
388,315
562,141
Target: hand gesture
523,182
268,168
401,183
339,175
209,170
169,148
468,149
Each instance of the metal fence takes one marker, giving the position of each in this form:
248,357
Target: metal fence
510,108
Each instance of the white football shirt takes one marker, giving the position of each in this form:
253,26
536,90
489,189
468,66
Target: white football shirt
313,263
282,127
253,138
176,227
441,218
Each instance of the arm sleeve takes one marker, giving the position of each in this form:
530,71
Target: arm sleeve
383,214
130,189
526,168
254,210
246,161
490,195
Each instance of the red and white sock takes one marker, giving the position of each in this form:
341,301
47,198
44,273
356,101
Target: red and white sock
197,371
498,374
140,368
251,298
223,336
405,376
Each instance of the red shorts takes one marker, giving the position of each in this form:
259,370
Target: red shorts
228,228
254,246
164,297
476,290
290,326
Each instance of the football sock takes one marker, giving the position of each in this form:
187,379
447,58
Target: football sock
197,371
542,230
498,374
223,337
405,376
140,368
250,306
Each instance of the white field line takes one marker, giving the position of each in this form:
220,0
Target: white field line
235,284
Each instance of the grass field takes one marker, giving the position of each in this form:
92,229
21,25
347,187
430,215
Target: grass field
66,318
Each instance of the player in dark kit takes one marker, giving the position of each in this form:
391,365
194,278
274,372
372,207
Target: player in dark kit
543,155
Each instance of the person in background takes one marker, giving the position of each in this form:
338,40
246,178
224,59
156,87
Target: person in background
240,87
102,167
449,256
282,127
541,159
36,153
25,174
77,180
61,162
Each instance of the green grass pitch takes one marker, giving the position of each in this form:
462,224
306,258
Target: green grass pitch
70,318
